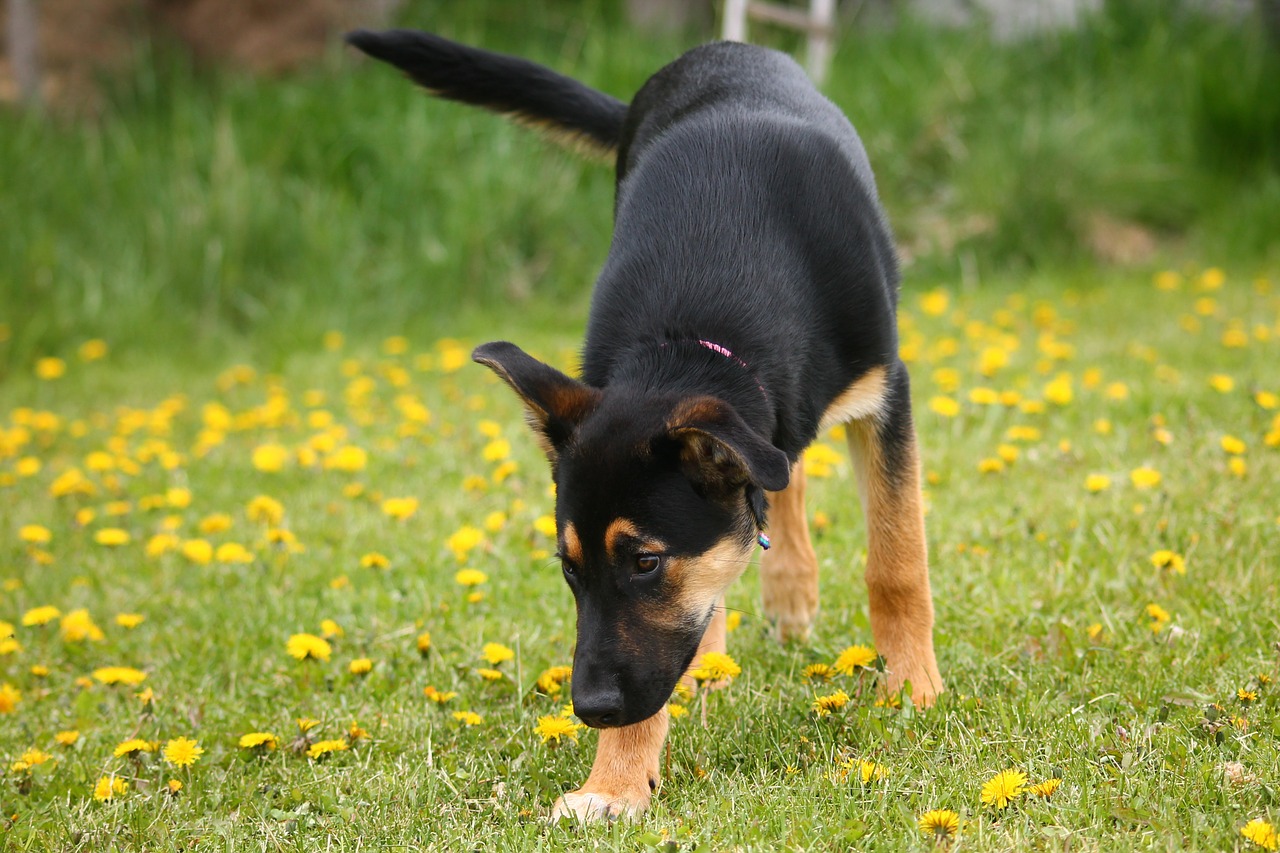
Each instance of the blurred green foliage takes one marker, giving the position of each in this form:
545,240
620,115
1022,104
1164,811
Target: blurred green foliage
205,206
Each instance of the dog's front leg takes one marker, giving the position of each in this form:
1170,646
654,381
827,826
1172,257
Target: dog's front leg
624,776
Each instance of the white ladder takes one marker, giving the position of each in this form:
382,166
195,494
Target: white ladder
818,22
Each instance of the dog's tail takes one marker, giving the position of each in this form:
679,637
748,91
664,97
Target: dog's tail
529,94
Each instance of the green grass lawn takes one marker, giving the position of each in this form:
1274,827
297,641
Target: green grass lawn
1068,653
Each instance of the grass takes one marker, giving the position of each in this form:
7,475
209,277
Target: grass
1054,664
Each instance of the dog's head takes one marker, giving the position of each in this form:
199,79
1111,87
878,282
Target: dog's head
658,499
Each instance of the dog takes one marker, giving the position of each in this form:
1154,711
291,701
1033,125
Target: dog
747,303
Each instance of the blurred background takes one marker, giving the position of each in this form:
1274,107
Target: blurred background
190,177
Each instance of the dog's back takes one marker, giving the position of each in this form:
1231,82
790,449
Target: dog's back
746,211
750,216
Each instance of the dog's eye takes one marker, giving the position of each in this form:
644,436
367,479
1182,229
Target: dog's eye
647,563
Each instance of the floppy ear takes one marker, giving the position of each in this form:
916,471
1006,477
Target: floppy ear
720,452
554,403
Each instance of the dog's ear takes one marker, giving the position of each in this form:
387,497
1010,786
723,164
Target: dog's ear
720,452
554,403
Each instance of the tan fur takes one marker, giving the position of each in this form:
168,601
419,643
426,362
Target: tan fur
789,568
862,400
624,775
897,564
572,544
700,581
625,527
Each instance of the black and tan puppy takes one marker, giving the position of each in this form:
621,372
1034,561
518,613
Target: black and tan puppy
748,302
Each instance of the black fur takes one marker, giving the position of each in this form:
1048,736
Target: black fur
751,280
505,84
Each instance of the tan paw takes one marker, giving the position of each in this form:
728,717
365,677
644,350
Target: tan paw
589,806
926,685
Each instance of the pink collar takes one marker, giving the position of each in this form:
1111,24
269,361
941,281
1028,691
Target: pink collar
728,353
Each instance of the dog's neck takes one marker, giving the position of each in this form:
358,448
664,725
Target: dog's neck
696,366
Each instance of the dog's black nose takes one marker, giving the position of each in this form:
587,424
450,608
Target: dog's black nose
599,709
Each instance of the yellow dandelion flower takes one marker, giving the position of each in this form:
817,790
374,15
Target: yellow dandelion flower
1003,788
182,752
677,711
400,508
67,737
133,747
119,675
935,302
1059,391
322,748
424,643
270,458
496,450
330,629
78,626
945,406
109,787
1222,383
265,510
468,718
10,696
990,465
1046,788
374,560
306,724
129,621
50,368
854,658
1261,833
824,706
40,616
174,787
1233,445
438,696
111,537
360,666
546,525
818,672
555,727
496,653
1145,478
470,577
489,674
939,824
1169,561
348,459
551,680
870,771
304,646
35,534
198,551
716,666
232,552
264,741
94,349
462,541
1097,483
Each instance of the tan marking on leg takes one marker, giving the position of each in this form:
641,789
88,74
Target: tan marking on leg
789,568
897,563
572,544
863,399
624,775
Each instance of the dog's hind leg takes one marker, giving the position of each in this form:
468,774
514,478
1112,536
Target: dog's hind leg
887,462
789,568
624,775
